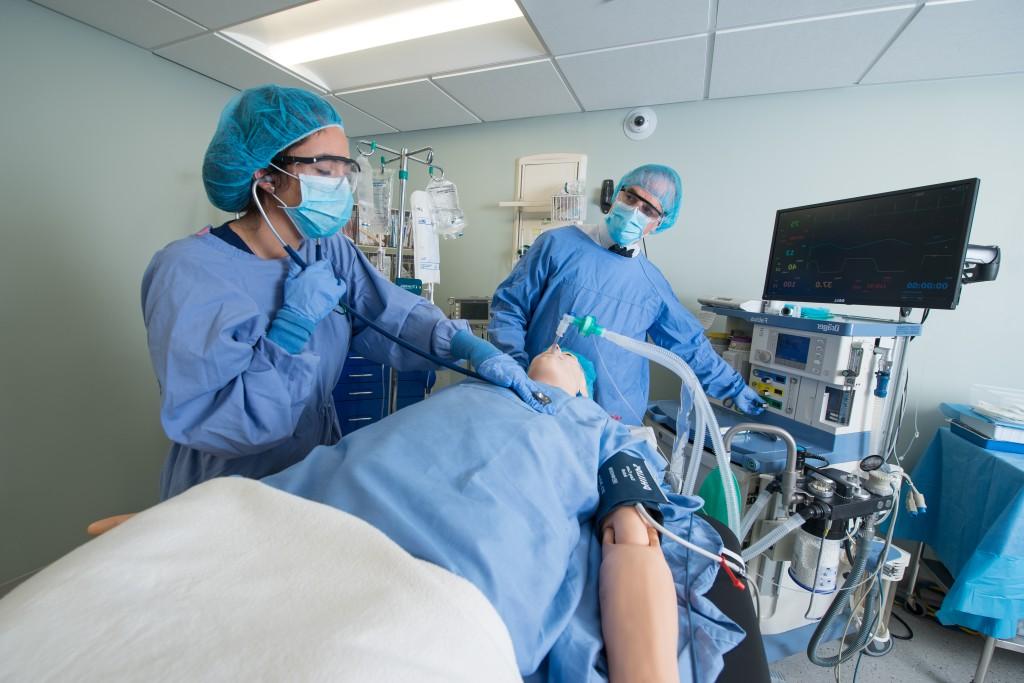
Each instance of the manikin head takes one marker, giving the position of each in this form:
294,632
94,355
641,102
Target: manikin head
561,369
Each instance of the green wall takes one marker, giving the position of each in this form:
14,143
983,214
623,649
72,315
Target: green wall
101,144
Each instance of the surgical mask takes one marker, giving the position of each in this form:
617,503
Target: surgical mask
625,224
325,207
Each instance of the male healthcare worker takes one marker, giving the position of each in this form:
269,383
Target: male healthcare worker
244,343
600,271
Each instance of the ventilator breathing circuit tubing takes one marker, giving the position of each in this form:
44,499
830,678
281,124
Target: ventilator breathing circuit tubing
705,416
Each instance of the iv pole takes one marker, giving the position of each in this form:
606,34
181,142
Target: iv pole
403,157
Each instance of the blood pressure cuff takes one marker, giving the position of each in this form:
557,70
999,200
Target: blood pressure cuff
625,479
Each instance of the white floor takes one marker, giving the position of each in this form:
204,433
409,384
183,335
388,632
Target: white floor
935,655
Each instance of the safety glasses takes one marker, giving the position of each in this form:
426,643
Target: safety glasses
328,166
630,198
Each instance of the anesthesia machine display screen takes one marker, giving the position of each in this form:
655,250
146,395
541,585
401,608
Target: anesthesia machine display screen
793,348
902,249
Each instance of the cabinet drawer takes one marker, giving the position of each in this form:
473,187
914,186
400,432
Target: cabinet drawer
358,391
354,360
372,408
361,373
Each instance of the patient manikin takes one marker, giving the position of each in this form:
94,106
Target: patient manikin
637,596
473,481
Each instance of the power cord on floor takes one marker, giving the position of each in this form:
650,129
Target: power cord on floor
910,631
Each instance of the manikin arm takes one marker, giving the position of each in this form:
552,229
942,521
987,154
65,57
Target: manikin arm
638,602
102,526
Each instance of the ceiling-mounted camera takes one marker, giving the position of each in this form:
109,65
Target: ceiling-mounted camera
640,123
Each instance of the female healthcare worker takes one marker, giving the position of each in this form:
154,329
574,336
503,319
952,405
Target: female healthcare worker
244,343
602,272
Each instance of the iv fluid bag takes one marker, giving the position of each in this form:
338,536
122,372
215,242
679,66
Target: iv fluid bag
449,221
379,223
364,197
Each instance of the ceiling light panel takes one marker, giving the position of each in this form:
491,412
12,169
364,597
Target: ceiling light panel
329,28
658,73
511,92
220,13
216,57
568,26
801,55
410,106
733,13
951,39
503,42
141,22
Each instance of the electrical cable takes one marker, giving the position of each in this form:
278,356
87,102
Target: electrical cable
689,612
717,559
609,375
857,667
817,566
910,631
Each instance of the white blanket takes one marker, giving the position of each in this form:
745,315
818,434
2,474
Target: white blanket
237,581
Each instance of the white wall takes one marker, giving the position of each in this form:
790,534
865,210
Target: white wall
102,145
742,159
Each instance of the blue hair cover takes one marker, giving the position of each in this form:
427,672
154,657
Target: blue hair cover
254,127
661,181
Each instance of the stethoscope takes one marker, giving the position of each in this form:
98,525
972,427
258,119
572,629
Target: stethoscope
344,309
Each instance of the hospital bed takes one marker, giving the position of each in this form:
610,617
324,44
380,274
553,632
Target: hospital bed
235,580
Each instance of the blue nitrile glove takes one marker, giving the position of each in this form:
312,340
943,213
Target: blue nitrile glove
499,368
309,296
748,402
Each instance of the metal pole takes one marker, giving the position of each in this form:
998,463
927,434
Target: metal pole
892,402
915,568
986,658
403,177
403,158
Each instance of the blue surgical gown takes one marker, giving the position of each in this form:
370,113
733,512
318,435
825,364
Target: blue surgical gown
565,271
476,482
232,401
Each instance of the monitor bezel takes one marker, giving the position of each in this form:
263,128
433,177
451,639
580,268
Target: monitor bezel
954,295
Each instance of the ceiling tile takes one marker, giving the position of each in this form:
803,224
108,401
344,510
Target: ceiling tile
410,106
358,123
733,13
671,71
577,25
504,41
222,60
511,92
804,55
956,39
221,13
141,22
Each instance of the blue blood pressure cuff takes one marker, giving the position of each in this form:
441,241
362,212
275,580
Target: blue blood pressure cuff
625,479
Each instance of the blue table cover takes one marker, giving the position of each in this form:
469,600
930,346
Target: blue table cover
975,525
